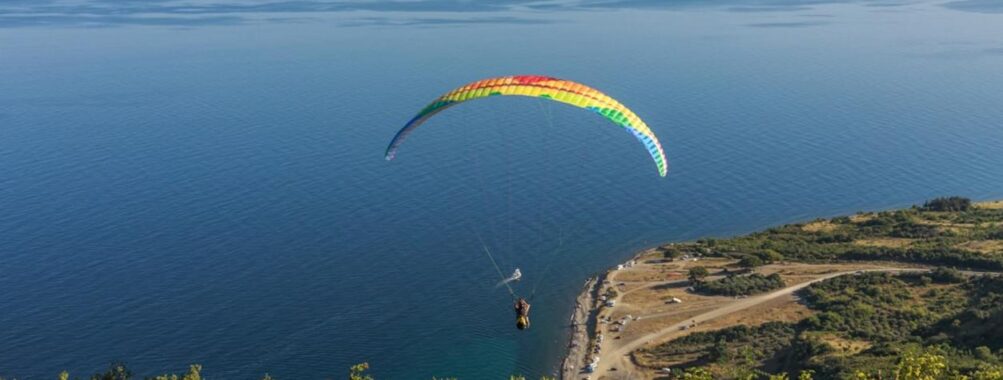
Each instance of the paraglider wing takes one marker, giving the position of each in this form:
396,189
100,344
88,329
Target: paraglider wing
559,90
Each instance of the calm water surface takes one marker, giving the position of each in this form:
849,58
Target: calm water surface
187,181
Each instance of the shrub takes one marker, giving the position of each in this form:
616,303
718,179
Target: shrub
741,285
948,204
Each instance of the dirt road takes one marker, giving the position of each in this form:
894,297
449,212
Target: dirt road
619,357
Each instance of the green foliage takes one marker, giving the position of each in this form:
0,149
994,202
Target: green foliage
875,306
988,373
697,274
741,285
743,343
985,353
697,373
116,371
926,366
769,255
803,375
889,313
933,243
943,275
750,262
358,372
915,364
194,373
671,252
980,323
912,229
932,364
951,204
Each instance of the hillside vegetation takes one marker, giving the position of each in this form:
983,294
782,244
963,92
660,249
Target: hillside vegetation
945,232
866,325
740,285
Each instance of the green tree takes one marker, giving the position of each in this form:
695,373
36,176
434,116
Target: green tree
749,262
948,204
697,274
671,253
194,373
358,372
116,371
697,373
915,366
770,256
988,373
984,353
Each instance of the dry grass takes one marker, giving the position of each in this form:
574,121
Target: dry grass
983,246
885,242
946,225
995,205
860,218
843,346
819,226
785,309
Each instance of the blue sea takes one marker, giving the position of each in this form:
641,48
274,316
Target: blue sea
203,182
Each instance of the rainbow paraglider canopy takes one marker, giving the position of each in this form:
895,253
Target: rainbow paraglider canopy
559,90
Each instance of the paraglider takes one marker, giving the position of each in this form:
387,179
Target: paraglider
521,314
559,90
564,91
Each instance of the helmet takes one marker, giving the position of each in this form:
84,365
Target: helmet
521,323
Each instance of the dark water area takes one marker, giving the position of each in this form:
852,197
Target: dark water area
191,182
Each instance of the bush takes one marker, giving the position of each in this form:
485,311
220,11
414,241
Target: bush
750,262
697,274
948,204
741,285
947,276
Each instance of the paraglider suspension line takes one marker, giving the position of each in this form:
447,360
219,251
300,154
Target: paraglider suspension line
493,262
546,269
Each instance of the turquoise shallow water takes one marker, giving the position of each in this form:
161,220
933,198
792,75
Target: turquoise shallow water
184,182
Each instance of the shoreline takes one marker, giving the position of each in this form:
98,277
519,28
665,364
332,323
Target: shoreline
584,318
581,319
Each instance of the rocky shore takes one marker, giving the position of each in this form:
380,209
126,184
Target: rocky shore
581,336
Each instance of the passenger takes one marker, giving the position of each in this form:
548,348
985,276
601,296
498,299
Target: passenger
521,314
